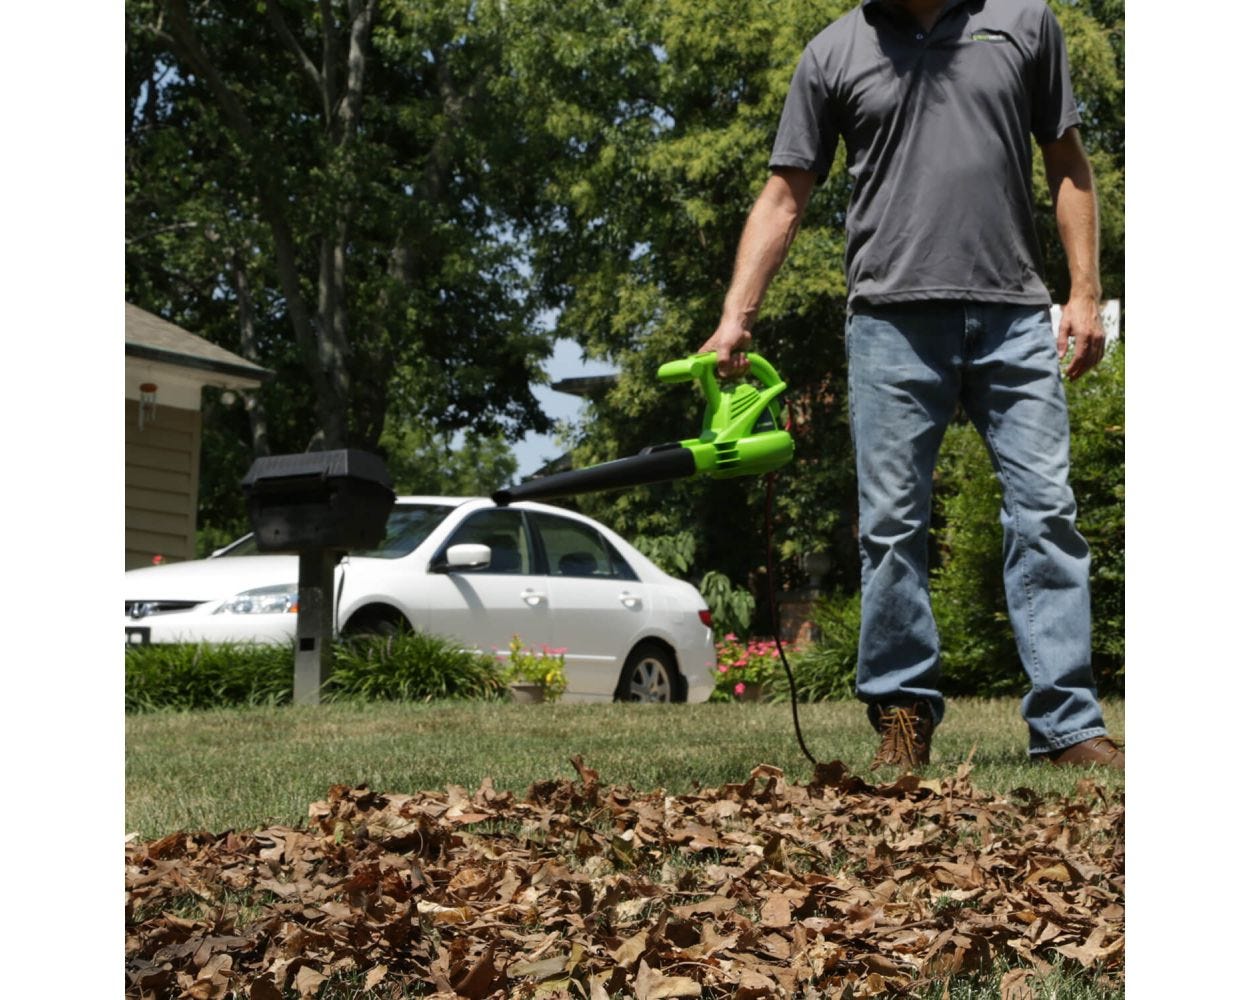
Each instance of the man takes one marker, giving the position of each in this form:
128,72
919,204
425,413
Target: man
935,101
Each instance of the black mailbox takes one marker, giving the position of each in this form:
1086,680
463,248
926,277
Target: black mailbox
320,504
330,500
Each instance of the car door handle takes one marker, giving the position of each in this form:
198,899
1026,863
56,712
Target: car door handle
533,597
630,600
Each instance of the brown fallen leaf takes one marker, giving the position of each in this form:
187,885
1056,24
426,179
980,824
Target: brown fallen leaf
264,989
712,906
478,980
776,911
1015,985
914,879
543,968
882,965
629,951
651,985
308,981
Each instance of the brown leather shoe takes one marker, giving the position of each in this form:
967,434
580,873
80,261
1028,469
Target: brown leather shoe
906,731
1100,750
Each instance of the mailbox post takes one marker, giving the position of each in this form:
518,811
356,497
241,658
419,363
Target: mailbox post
320,504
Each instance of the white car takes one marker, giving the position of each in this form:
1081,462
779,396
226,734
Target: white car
472,571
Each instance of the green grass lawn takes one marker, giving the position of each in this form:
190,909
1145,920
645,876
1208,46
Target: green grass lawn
250,767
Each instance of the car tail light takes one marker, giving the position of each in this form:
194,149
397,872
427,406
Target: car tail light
705,616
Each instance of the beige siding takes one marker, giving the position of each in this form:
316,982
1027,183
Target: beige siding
162,484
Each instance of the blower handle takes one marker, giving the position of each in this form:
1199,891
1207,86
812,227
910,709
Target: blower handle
701,368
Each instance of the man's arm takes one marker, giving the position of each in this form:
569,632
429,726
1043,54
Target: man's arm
1071,181
766,238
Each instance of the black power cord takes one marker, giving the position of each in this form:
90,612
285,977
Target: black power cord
772,605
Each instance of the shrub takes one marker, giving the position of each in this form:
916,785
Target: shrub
978,648
739,664
410,666
546,669
731,607
405,667
192,676
825,669
979,654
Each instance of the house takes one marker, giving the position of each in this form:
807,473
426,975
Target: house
166,367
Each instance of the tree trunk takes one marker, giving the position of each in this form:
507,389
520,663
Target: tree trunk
253,402
323,339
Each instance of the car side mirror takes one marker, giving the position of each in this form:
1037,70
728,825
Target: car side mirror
463,557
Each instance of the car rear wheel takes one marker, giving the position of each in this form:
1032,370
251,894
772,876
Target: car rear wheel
651,674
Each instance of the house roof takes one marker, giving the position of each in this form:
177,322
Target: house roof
151,338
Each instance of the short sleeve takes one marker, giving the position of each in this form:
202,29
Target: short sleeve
1053,110
806,136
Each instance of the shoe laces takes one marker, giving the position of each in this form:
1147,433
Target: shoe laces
899,735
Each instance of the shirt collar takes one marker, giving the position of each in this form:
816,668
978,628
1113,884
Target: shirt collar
948,5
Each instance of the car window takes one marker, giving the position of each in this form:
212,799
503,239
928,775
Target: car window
406,528
504,532
576,549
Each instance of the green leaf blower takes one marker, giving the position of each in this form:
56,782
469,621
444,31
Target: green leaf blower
743,435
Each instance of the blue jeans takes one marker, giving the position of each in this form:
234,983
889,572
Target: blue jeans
908,367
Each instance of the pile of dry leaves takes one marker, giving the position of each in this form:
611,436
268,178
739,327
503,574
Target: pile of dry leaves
760,889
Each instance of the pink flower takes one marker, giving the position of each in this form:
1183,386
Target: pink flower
723,668
730,637
739,688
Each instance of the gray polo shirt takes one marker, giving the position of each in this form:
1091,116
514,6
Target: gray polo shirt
937,132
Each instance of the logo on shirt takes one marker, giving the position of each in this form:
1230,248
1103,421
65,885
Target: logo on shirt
990,36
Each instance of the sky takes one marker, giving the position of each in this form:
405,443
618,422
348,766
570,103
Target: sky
535,450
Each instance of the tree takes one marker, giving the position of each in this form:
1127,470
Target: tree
425,463
331,188
659,120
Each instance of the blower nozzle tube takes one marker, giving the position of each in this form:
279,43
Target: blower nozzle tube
653,465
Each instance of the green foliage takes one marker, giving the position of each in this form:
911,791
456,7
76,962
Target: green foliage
1094,35
208,538
348,215
731,607
410,666
596,160
825,670
1097,413
404,667
978,649
197,676
674,554
654,168
426,462
969,604
740,663
545,668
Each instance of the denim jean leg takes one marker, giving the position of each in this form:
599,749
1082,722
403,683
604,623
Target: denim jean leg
902,365
1014,395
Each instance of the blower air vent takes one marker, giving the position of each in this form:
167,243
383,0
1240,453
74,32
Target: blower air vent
744,398
726,455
